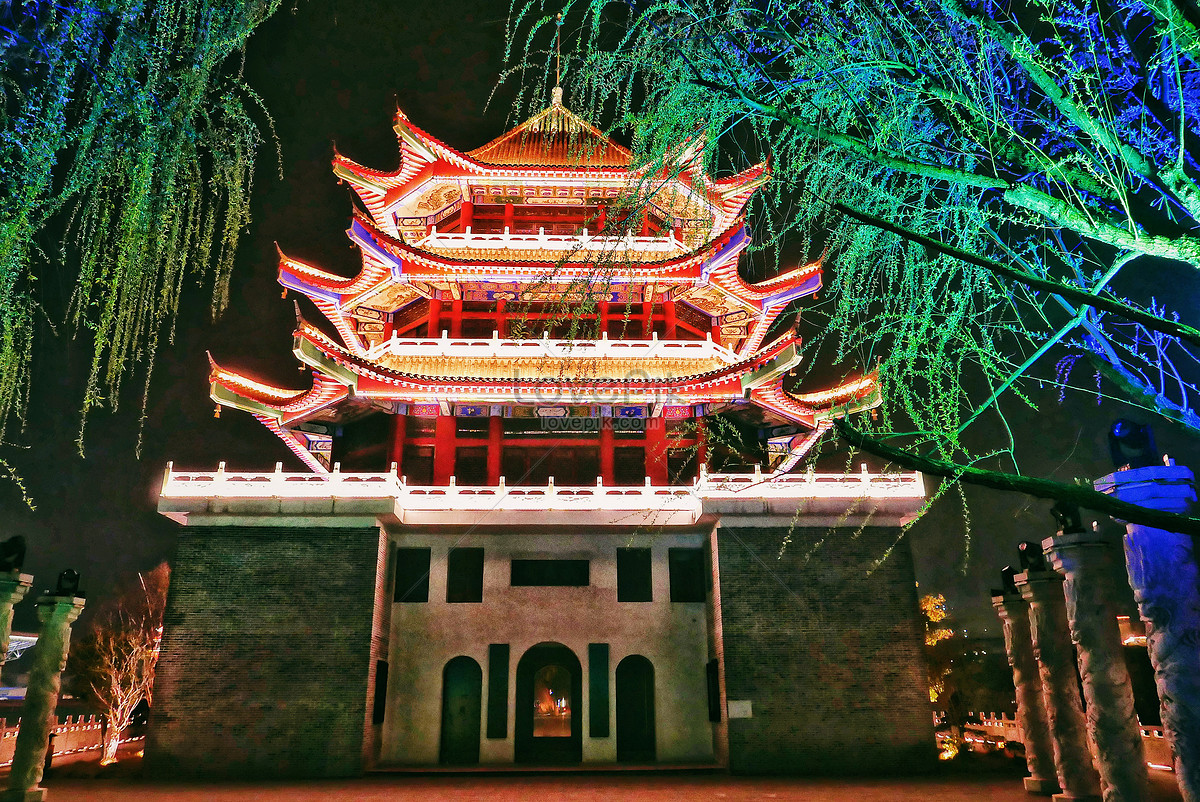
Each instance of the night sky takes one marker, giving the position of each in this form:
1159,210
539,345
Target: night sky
333,72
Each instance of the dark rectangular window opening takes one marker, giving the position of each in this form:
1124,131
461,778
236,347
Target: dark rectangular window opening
598,690
629,465
417,464
470,466
472,428
551,573
714,691
380,705
478,329
464,576
681,465
497,708
687,574
633,576
412,575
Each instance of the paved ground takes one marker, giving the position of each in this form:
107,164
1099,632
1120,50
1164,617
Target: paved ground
573,788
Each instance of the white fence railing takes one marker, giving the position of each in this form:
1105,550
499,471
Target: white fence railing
338,485
496,346
540,241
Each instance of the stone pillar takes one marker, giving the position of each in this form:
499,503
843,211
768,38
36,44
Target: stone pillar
1031,713
1085,559
57,613
13,587
1163,574
1052,648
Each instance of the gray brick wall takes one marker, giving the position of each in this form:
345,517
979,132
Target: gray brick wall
266,654
828,656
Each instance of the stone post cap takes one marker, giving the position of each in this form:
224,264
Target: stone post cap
50,606
1057,546
1168,488
15,585
1001,600
1031,582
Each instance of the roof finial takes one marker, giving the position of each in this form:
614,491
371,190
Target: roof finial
557,95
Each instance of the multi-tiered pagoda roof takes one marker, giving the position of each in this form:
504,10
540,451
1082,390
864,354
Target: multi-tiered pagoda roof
537,220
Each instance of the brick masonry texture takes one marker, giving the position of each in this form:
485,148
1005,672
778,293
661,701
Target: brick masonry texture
829,656
266,654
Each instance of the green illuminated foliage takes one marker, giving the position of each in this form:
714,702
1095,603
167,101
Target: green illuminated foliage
979,177
126,157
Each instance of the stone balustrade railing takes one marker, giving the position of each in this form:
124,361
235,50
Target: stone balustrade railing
544,347
259,493
510,240
1004,726
338,484
71,734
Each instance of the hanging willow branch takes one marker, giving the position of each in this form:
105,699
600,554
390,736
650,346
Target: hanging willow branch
127,135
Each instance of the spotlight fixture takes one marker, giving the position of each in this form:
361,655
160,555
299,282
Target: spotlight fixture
1066,515
1131,445
68,584
1032,558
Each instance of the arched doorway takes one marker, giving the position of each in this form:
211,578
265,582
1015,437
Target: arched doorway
549,725
462,683
635,710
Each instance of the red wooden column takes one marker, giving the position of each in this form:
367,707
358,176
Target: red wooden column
701,442
602,218
603,317
443,450
396,444
467,215
498,321
669,320
456,313
495,448
433,327
509,216
606,451
656,451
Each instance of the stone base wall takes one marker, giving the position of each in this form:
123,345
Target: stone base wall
266,654
828,657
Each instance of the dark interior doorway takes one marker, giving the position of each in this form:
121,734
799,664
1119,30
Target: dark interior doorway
462,683
549,725
635,710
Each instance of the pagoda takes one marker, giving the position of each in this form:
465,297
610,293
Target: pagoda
508,546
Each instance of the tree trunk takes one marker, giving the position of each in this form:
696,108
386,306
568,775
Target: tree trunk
112,739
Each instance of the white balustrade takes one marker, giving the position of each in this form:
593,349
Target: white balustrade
508,240
338,485
495,346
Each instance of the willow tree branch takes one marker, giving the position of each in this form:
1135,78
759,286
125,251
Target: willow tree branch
1067,291
1078,495
1058,212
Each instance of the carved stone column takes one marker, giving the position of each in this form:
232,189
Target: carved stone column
1031,713
1086,561
57,613
13,587
1052,647
1163,574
